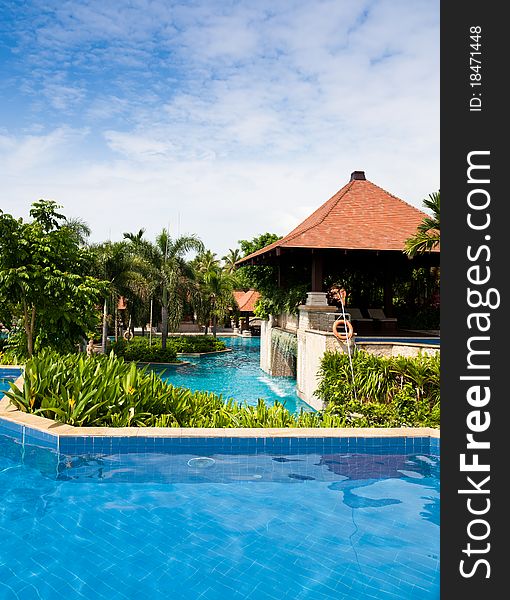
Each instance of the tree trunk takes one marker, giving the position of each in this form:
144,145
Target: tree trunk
214,319
29,323
105,327
164,319
32,327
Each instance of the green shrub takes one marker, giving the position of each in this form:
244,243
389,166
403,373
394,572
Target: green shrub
106,391
196,343
10,354
385,392
139,350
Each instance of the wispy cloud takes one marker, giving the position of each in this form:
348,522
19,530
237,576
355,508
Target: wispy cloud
251,105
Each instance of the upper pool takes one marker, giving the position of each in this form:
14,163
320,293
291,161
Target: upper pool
6,376
235,374
425,341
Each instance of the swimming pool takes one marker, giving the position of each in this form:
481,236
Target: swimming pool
6,376
426,341
325,518
235,374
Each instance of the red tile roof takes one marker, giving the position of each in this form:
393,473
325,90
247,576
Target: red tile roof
246,300
360,216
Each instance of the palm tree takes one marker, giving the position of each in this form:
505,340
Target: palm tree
427,236
134,237
116,264
79,230
206,261
170,274
216,298
230,259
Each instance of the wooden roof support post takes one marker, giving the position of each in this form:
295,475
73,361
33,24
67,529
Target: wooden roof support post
388,293
317,272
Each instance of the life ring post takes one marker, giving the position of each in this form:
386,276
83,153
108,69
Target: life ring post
342,330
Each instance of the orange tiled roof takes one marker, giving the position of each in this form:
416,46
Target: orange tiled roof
246,300
360,216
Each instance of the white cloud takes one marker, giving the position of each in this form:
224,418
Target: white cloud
26,155
234,118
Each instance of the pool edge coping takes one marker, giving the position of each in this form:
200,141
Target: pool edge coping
50,427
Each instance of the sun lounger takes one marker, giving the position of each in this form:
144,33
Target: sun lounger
379,317
357,315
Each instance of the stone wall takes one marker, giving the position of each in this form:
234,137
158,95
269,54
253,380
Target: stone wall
391,349
287,321
314,338
320,318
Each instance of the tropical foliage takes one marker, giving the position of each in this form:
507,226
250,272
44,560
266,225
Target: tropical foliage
194,344
106,391
230,259
216,292
277,296
428,235
390,392
115,263
140,349
172,276
45,285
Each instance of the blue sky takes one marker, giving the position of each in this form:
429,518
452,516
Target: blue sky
220,118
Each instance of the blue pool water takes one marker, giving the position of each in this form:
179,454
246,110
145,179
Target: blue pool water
6,376
402,340
313,524
235,374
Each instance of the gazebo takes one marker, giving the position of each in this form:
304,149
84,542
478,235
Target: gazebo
359,233
246,305
361,228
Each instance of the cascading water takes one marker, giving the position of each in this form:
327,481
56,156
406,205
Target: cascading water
284,345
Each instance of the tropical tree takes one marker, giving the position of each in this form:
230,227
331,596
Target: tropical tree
136,238
216,298
206,261
43,277
79,229
230,259
124,272
169,273
427,236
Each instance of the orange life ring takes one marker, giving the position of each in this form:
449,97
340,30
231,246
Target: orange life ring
341,335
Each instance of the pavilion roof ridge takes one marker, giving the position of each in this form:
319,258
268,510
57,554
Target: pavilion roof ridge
326,209
359,216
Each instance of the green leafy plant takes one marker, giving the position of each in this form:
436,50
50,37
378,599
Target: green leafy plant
384,392
106,391
140,350
44,281
196,343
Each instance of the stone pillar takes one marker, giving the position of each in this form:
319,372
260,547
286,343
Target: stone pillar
316,299
315,337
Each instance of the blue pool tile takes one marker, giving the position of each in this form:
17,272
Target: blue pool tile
40,441
10,428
